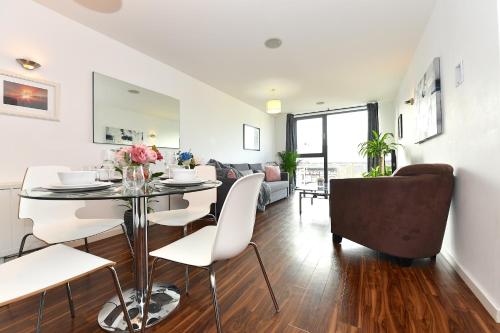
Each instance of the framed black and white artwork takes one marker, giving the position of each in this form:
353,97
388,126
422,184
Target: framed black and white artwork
400,126
428,103
251,137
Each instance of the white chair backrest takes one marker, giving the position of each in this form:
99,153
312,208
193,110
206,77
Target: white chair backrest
237,218
207,197
45,211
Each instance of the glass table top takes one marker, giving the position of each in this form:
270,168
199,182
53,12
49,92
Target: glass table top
312,188
116,191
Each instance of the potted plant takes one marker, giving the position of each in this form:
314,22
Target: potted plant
377,148
289,163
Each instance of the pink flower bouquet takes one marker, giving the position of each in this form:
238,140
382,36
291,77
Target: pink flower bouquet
138,155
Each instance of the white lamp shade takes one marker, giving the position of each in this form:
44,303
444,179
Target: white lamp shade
273,106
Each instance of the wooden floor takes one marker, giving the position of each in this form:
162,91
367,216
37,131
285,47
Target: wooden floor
320,288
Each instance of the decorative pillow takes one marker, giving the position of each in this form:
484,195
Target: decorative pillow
231,174
245,172
224,171
272,173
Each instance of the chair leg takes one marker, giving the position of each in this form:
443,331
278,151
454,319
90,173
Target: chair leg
148,297
124,229
120,297
40,312
23,241
265,276
186,272
70,300
213,290
86,245
213,217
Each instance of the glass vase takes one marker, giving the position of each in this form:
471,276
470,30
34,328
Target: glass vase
133,177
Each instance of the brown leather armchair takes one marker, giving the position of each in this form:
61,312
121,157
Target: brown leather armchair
403,215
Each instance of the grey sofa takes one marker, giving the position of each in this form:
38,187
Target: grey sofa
278,190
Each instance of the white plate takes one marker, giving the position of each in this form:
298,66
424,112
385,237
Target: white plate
94,186
192,182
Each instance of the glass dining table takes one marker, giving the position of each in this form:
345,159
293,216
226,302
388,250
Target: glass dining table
166,296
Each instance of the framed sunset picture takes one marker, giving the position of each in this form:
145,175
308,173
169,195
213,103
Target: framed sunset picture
27,97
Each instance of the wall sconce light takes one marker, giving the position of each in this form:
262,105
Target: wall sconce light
411,101
28,64
152,134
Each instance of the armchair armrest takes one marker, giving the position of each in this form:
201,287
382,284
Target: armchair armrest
403,216
284,176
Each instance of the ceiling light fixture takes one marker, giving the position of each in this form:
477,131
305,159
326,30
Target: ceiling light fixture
273,43
320,103
28,64
133,91
273,106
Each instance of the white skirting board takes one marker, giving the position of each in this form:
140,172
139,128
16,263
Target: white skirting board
485,300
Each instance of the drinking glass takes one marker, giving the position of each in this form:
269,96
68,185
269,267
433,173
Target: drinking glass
133,177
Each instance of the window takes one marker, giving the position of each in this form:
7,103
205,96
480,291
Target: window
328,147
310,136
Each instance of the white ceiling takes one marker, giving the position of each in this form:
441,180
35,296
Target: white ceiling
343,52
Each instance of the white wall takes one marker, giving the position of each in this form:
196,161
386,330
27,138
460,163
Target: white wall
386,117
211,121
468,31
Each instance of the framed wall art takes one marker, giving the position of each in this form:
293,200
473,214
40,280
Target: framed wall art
251,137
400,126
428,103
28,97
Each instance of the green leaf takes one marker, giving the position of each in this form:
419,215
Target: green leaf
156,174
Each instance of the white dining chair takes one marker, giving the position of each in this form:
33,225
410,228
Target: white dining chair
199,207
55,221
229,238
46,269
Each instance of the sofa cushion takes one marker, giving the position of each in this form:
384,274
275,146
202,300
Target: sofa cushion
277,186
241,166
246,172
256,167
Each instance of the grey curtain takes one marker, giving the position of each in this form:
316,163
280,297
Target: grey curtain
372,126
291,141
291,133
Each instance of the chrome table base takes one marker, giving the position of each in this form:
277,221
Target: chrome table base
164,299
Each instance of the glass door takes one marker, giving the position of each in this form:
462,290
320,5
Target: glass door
311,147
345,132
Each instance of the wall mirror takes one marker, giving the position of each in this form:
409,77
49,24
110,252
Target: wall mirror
126,114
